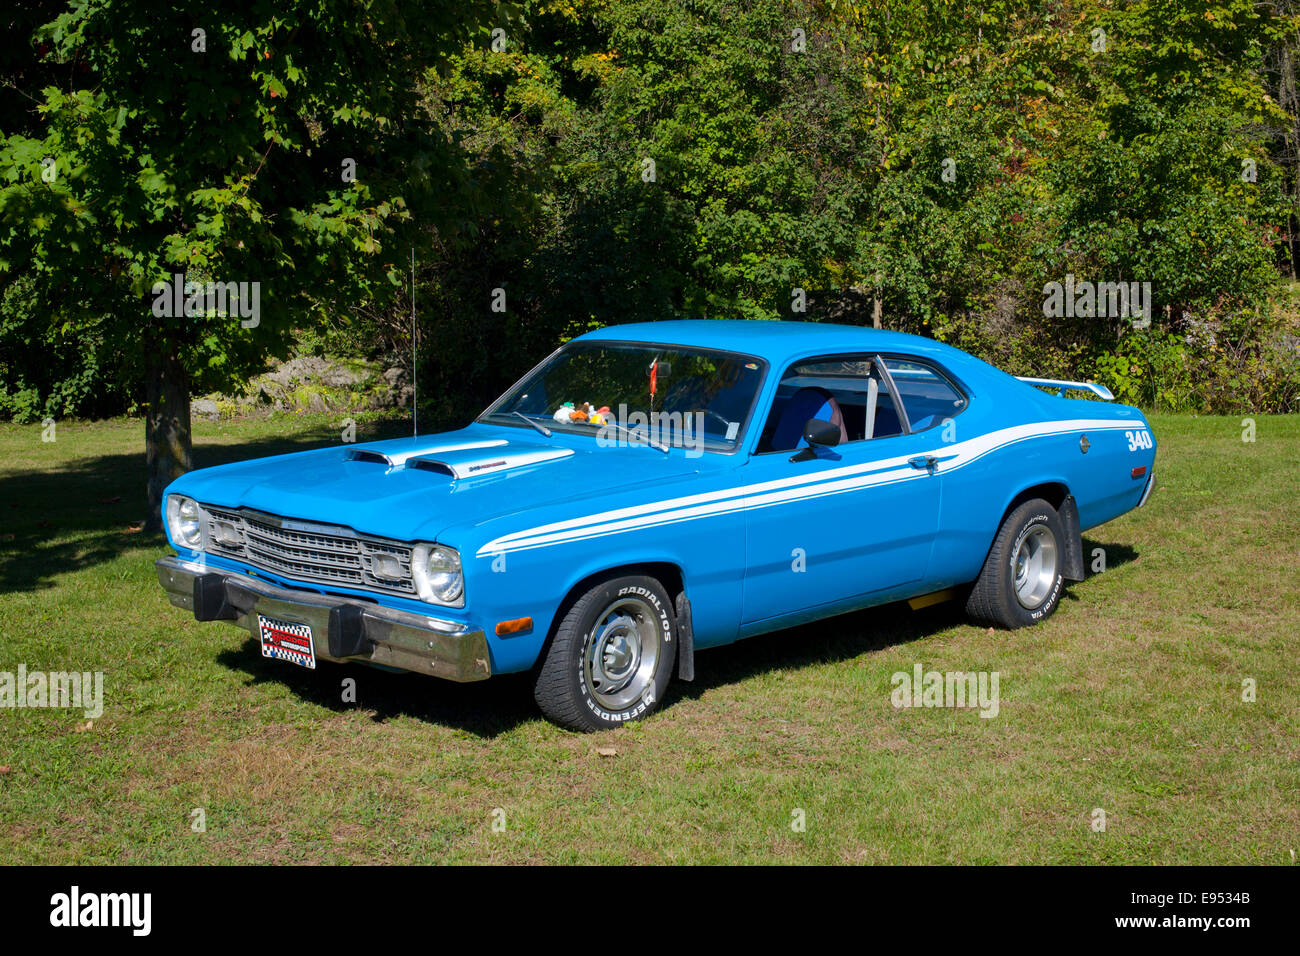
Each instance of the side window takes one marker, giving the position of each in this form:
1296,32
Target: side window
845,389
928,397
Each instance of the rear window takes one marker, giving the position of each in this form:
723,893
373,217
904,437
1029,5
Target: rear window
928,396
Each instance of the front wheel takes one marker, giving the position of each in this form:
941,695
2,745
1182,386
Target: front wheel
1022,577
611,655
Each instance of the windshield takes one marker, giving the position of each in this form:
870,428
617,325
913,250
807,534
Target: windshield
635,393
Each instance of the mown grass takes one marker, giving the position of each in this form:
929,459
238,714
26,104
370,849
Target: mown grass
1128,700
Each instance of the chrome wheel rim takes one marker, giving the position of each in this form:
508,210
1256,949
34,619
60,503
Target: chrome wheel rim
622,653
1033,566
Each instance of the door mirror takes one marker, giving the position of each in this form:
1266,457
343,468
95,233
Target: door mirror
818,432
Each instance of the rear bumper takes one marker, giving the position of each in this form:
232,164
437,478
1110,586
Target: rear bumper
344,629
1146,492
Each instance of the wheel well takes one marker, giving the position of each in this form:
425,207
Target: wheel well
667,574
1058,496
1053,492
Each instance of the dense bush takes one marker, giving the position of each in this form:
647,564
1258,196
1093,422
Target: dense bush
48,367
938,163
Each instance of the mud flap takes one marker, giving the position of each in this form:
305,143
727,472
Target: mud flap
685,640
1072,566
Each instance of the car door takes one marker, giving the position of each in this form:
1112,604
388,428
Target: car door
847,521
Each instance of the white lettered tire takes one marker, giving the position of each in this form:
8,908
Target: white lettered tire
611,655
1021,581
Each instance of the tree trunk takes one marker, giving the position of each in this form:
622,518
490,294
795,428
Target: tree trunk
1288,98
167,439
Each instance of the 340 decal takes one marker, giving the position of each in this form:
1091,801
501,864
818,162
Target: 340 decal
1139,439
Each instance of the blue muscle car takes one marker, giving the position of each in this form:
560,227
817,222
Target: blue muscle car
649,490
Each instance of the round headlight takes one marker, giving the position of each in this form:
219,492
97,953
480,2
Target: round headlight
185,521
437,574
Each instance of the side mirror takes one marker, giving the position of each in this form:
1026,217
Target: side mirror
817,432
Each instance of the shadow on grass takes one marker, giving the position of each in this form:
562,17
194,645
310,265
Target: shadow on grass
1116,556
835,639
1113,556
492,707
484,708
82,514
85,512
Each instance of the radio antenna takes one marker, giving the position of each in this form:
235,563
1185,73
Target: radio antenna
415,382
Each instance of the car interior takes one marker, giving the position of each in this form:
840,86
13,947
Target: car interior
849,391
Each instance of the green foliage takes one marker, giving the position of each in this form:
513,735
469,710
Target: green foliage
1245,362
947,160
214,143
941,160
51,366
1149,369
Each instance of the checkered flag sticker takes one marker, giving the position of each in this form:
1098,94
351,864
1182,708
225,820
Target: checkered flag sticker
287,641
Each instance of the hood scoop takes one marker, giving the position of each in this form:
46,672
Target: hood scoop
462,459
397,459
475,462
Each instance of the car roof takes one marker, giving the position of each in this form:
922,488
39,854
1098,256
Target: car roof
776,340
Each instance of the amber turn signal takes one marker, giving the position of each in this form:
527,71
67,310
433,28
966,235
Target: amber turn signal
517,626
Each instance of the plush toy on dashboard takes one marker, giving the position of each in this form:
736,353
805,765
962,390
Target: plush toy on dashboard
569,413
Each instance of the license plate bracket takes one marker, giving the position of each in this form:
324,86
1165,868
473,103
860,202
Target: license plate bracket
287,641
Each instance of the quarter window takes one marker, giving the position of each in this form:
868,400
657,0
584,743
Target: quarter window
927,395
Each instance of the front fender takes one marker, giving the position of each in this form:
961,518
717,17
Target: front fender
706,554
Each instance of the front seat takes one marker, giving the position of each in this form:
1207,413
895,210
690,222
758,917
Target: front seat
812,402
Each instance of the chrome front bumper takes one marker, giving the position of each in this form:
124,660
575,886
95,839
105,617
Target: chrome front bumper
344,629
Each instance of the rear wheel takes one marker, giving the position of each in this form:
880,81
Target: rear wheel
611,655
1022,577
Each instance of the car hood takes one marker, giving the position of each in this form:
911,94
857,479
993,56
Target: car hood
414,488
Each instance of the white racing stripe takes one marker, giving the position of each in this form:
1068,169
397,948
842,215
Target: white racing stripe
784,490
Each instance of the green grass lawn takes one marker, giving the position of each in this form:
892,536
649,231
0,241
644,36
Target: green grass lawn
1129,699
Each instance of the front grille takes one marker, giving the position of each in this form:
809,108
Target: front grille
322,554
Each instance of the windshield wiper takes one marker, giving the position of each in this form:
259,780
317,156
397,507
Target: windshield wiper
538,425
636,438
